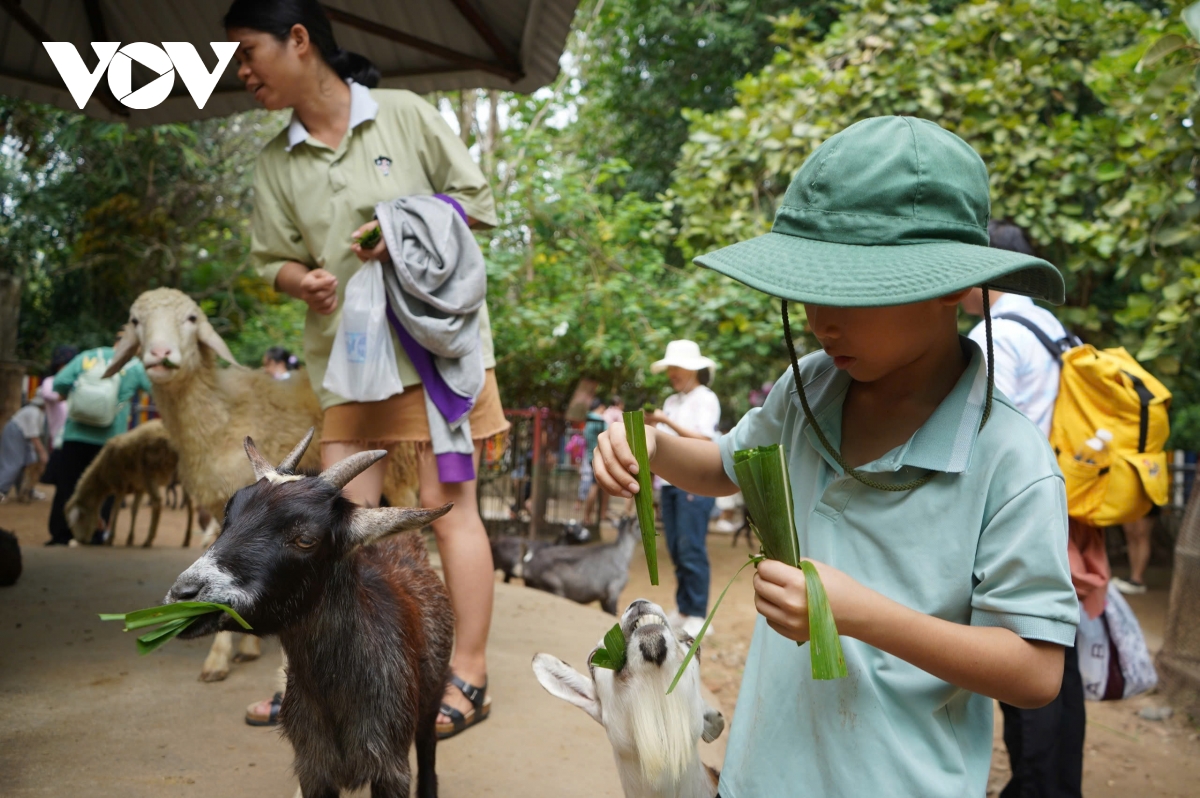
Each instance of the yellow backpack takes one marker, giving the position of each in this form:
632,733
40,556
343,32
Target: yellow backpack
1108,390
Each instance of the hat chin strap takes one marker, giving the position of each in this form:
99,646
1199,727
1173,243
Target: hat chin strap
834,453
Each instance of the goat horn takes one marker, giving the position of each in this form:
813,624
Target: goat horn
261,467
341,472
372,524
290,462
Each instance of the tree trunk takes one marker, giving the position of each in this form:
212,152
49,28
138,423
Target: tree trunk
12,373
493,134
466,114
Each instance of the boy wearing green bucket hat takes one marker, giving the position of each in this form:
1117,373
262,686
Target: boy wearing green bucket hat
933,509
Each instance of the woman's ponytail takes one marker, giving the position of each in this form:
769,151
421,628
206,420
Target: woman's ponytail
278,17
355,67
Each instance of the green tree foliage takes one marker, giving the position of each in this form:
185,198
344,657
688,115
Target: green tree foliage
644,61
94,213
1095,158
578,284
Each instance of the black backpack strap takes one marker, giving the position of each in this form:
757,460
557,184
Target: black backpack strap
1055,348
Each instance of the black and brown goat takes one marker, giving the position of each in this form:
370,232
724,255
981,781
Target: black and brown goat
365,621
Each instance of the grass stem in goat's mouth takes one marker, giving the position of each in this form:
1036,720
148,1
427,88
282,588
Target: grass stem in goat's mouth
171,619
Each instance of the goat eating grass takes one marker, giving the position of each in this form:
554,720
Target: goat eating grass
365,621
653,735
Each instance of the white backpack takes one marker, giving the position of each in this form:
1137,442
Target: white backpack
93,399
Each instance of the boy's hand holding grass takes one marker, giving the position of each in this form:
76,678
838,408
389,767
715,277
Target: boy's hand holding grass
781,596
613,463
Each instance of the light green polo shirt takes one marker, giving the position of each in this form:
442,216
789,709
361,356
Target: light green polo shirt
309,198
983,543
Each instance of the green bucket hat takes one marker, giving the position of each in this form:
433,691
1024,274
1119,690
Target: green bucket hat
891,210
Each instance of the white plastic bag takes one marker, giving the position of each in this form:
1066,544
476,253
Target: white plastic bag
362,365
1115,633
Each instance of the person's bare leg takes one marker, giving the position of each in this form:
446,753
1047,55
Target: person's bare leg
365,489
1137,538
467,565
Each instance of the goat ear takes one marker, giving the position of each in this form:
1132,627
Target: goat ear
714,724
563,681
208,336
124,350
374,524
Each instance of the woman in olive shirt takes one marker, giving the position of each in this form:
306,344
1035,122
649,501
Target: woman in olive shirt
347,148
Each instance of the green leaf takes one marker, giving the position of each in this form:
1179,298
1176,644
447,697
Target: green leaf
687,659
170,620
612,654
1191,18
635,433
824,645
1161,49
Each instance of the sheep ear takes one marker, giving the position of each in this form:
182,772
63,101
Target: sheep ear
124,350
563,681
371,525
208,336
714,724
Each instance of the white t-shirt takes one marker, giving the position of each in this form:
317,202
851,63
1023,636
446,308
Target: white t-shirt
29,419
1025,372
698,410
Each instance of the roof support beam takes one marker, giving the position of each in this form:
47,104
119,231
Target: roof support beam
39,34
481,26
408,40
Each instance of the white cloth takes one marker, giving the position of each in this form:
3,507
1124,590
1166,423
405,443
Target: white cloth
698,410
30,419
1025,372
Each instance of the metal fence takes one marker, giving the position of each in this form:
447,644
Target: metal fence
528,481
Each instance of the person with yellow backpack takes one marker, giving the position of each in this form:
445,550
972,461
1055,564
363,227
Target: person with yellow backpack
1106,419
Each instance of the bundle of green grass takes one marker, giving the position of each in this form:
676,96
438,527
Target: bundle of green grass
170,620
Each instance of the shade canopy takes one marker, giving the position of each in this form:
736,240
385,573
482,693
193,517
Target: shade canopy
421,45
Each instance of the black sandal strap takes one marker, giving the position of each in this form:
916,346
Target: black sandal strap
476,695
457,719
276,703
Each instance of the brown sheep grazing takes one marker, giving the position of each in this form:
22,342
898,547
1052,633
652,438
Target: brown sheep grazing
142,462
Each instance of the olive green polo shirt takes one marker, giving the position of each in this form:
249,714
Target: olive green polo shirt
983,543
309,198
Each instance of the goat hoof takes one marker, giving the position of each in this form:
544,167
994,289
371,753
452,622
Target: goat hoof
245,656
214,676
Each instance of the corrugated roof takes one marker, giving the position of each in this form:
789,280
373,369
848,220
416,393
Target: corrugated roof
432,45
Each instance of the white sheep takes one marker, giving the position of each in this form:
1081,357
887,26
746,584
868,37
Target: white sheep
142,462
209,411
654,736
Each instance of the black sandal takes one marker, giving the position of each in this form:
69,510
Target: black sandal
272,717
481,707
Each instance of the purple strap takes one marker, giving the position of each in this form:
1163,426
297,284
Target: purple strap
452,466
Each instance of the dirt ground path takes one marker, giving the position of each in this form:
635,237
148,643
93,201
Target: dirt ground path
82,715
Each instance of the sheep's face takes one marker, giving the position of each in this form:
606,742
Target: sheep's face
282,542
170,333
660,731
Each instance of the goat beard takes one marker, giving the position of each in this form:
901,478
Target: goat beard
661,726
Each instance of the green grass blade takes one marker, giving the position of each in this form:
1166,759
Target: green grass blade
612,654
152,640
151,616
635,433
754,558
825,647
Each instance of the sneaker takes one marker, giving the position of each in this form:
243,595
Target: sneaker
692,624
724,526
1129,587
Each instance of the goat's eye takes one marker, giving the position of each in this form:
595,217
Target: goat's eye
134,322
305,542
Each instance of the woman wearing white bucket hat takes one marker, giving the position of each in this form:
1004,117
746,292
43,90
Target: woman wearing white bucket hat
693,411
